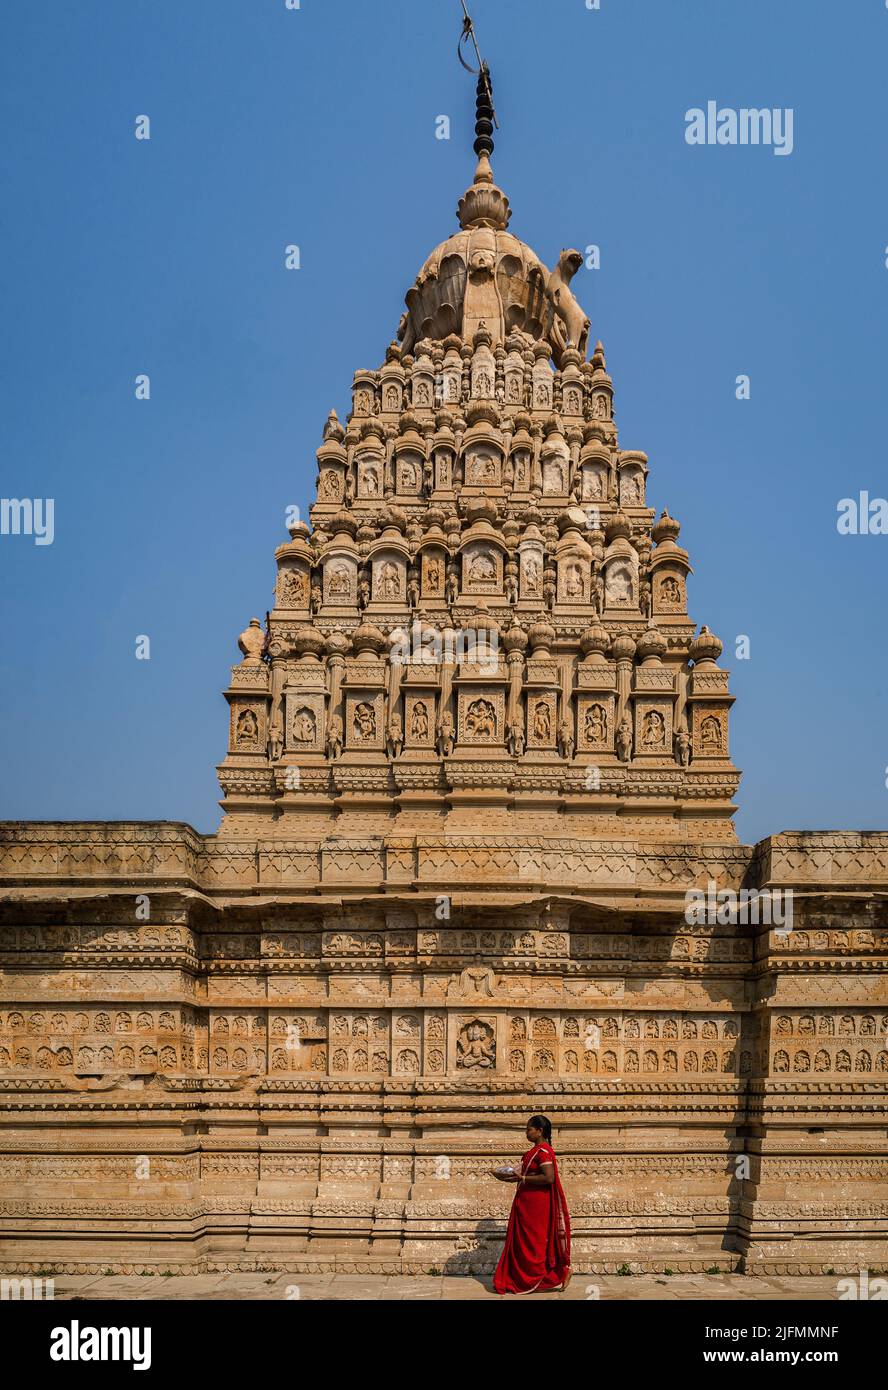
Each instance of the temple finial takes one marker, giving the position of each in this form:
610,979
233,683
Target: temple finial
483,145
485,116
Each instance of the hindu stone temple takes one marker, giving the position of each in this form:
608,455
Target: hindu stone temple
478,756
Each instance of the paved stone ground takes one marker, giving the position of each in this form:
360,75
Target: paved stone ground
377,1287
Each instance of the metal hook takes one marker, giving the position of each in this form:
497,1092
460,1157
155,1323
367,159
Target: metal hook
468,32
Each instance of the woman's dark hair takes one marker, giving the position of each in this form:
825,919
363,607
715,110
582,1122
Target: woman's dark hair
540,1122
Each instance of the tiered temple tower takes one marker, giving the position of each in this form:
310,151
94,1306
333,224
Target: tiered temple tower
484,623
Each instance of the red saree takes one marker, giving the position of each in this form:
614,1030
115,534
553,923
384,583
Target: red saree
536,1254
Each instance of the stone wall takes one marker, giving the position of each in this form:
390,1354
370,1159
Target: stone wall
234,1054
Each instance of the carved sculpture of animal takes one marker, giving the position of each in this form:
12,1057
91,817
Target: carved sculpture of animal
569,323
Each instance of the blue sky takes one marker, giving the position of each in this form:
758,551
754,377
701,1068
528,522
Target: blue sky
317,127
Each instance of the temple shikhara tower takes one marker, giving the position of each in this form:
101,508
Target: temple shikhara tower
478,761
484,629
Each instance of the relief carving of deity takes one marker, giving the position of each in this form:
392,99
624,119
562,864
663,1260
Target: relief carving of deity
653,731
305,726
389,580
670,590
419,721
532,575
630,492
408,476
475,1046
593,484
542,721
247,728
711,734
619,584
294,589
595,724
423,396
369,480
573,581
482,469
433,579
481,720
340,580
392,398
364,723
481,567
483,384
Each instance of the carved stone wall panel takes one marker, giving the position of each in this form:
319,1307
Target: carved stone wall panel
364,727
595,723
340,581
481,716
542,719
304,721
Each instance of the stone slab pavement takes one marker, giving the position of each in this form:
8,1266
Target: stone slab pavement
383,1287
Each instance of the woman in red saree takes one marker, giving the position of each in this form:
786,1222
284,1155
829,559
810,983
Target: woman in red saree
536,1254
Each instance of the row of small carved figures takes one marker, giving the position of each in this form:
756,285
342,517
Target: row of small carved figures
513,388
188,1023
292,590
474,1049
480,726
627,492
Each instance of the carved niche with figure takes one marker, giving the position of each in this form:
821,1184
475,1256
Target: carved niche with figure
369,477
303,720
709,734
420,721
364,720
304,728
409,474
653,732
594,482
632,489
653,729
482,468
476,1046
595,723
330,486
340,581
531,572
555,476
432,575
573,580
541,720
293,588
482,570
246,730
669,594
388,580
619,586
480,717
